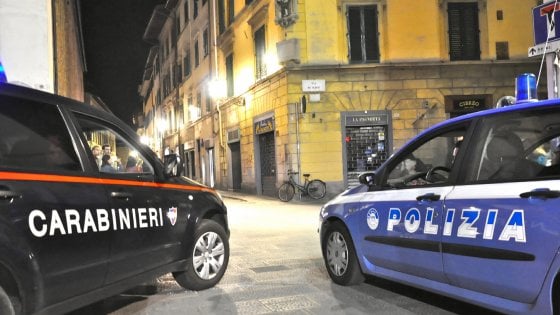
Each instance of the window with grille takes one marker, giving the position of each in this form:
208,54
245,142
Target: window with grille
260,50
363,40
464,33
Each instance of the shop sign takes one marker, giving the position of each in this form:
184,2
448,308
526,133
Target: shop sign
264,126
380,119
468,104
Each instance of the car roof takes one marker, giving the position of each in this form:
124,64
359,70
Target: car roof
56,100
488,112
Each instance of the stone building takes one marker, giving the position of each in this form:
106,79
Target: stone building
329,88
41,45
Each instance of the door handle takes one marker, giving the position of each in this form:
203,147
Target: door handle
428,197
8,194
121,195
543,193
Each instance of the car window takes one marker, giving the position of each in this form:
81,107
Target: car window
429,163
517,146
34,137
111,152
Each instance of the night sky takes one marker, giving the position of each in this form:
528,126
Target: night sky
115,51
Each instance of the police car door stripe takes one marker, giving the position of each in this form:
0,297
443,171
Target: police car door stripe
94,180
454,249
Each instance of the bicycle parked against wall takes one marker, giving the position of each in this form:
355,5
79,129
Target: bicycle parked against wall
315,189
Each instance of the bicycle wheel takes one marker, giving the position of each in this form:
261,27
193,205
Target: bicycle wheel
316,189
286,192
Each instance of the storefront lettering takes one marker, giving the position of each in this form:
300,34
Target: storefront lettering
366,120
264,126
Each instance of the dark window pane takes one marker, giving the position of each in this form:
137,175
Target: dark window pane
370,29
260,50
355,33
229,74
464,42
363,42
34,137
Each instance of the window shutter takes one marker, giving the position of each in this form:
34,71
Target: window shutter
370,33
464,42
355,34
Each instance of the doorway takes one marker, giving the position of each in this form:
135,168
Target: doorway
267,164
235,149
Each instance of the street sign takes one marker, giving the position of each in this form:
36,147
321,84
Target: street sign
313,85
545,19
539,49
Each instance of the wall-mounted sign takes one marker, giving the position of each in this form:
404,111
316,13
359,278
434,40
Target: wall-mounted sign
474,103
264,126
462,104
313,85
363,120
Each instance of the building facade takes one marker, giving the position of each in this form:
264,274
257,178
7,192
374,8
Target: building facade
329,88
41,45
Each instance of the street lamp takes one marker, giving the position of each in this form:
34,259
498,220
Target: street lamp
217,89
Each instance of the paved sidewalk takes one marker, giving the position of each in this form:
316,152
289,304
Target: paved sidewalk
297,200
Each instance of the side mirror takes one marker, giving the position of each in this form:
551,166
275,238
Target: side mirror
367,179
172,165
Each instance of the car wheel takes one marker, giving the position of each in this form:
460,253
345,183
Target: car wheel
340,256
207,262
6,305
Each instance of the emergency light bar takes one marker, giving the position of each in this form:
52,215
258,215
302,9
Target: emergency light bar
3,77
526,88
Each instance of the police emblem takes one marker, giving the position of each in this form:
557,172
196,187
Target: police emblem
172,215
372,218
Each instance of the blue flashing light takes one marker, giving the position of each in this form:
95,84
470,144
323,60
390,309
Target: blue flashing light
526,88
3,77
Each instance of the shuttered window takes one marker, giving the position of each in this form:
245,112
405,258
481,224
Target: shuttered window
363,42
229,74
260,50
464,42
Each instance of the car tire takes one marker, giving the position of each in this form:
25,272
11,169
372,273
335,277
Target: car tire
208,260
6,304
340,256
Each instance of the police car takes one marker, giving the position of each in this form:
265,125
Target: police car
72,232
468,209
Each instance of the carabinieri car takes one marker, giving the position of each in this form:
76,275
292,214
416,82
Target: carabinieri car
73,231
469,209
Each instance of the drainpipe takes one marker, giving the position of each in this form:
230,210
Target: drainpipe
215,48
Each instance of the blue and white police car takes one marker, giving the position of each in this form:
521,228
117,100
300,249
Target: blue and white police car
469,209
73,231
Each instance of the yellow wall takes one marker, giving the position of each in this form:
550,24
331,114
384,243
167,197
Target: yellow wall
414,68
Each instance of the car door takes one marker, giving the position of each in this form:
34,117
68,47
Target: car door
404,218
142,219
48,201
503,219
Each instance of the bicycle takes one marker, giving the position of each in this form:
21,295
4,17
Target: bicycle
315,189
